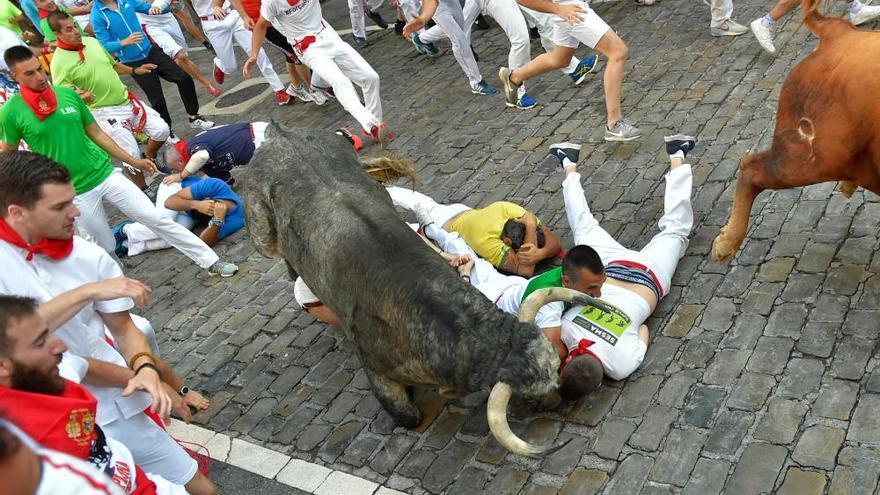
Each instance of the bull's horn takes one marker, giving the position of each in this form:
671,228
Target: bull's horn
536,300
496,413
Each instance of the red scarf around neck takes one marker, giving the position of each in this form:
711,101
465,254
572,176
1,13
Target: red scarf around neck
582,348
54,248
44,13
43,103
73,48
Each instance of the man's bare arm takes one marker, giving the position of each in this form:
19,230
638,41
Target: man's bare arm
552,245
512,264
531,223
65,306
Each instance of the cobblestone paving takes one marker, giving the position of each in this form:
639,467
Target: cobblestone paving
762,375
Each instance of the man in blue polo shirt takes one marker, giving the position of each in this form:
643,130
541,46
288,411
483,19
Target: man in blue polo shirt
215,151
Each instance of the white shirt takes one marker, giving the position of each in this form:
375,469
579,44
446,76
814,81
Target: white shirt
155,20
616,336
205,8
295,22
44,278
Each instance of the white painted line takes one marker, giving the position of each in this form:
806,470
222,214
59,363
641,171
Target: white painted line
306,476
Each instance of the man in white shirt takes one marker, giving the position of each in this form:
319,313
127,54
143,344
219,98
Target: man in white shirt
223,27
612,341
43,259
318,46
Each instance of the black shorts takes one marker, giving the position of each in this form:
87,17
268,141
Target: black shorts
278,39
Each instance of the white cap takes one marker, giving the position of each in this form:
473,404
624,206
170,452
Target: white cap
303,294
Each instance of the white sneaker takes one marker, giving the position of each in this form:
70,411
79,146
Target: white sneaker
299,93
318,97
864,14
729,28
763,35
199,122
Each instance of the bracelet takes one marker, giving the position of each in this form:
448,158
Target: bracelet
147,365
139,355
468,277
218,223
183,390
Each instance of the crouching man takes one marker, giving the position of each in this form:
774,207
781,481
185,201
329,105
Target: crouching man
614,343
215,151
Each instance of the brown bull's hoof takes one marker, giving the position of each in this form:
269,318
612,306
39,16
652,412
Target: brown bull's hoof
722,250
407,421
847,188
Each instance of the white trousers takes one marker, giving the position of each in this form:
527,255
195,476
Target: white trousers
222,34
340,65
410,8
356,13
153,449
450,20
721,10
543,22
426,209
118,122
167,36
662,253
122,193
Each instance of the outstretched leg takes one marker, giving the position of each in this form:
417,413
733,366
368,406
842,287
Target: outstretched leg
395,398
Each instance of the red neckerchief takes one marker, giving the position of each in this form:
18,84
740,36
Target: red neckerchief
63,422
73,48
54,248
583,347
42,103
44,13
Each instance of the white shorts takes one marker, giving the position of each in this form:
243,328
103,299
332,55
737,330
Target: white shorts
153,448
589,31
167,36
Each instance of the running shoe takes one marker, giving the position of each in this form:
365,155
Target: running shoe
510,89
428,49
223,268
679,142
360,42
199,122
326,91
282,97
299,92
622,131
219,76
561,151
524,102
763,34
482,88
729,28
584,67
376,17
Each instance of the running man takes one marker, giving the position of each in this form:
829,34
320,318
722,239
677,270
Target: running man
762,27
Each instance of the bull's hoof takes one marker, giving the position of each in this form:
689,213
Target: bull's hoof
847,188
722,250
408,421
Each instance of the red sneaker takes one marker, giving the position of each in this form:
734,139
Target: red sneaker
380,134
214,90
352,138
282,97
219,76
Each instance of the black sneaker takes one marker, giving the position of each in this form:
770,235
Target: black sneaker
376,17
481,23
534,34
679,142
398,27
565,150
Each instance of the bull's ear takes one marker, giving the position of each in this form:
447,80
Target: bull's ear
261,225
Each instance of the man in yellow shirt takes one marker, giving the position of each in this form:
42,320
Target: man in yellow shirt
503,233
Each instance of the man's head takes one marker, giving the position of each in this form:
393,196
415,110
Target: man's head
29,352
583,271
65,28
47,5
36,196
581,376
174,156
25,68
514,234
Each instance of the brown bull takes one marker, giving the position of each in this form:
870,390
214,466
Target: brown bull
827,124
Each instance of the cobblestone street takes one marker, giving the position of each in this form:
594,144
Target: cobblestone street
762,375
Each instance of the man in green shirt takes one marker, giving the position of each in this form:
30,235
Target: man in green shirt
55,122
84,65
47,7
12,18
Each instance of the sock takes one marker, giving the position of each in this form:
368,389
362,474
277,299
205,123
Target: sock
677,154
568,163
768,21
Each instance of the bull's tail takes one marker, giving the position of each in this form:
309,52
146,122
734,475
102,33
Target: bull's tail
812,18
386,169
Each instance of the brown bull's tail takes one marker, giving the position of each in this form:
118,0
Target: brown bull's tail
386,169
812,18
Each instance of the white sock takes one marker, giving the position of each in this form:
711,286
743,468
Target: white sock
768,21
568,163
677,154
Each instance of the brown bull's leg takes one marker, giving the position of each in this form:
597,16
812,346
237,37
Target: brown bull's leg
732,234
395,398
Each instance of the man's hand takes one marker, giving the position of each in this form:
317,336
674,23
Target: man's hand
132,39
220,210
219,13
249,23
171,179
248,65
570,12
145,165
28,35
455,260
178,405
146,68
205,207
528,254
413,25
86,96
148,381
114,288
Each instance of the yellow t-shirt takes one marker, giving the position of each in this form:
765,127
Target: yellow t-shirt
481,229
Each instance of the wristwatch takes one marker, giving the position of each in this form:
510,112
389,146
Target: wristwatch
183,390
218,223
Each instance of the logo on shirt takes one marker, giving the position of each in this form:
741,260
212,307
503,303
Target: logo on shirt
81,426
607,325
64,111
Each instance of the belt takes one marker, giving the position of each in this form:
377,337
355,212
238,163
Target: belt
251,128
633,264
212,17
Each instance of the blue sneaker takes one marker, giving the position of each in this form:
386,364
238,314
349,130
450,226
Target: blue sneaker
482,88
120,237
424,48
586,66
524,102
360,42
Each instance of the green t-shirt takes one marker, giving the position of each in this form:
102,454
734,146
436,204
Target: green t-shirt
95,74
48,34
8,13
61,136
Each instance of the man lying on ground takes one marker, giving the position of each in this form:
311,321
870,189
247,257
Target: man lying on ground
614,344
503,233
215,151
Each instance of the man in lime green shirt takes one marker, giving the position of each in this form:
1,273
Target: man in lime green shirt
55,122
83,64
11,18
46,8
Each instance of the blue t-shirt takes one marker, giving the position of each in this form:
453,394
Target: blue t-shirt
201,188
229,146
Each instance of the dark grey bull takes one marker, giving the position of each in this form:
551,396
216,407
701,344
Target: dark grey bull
412,320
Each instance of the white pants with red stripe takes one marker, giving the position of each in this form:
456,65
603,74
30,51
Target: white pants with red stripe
662,253
223,33
118,122
340,65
